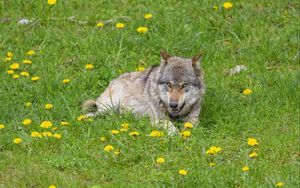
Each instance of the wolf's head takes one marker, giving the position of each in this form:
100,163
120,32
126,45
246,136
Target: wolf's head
180,83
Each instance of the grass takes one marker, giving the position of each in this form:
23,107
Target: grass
263,35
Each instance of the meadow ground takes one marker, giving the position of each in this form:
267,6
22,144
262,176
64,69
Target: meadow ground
262,35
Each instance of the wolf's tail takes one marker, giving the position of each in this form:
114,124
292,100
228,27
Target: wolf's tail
89,106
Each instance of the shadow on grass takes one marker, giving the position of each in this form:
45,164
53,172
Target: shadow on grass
211,107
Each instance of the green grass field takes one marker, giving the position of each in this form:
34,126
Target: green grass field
262,35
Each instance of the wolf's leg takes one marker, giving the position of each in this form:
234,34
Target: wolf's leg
193,117
193,120
159,121
109,99
167,125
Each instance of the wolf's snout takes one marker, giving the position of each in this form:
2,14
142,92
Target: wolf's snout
173,104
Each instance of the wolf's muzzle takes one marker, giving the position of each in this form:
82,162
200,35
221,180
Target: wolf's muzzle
173,104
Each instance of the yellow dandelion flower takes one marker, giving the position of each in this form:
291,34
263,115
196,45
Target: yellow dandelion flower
57,136
16,76
2,126
213,150
36,134
117,152
140,68
135,133
15,66
9,54
125,125
10,71
114,132
148,16
102,139
252,142
27,122
25,73
48,106
279,184
245,169
64,123
120,25
8,59
253,154
227,5
156,134
186,134
51,2
100,24
108,148
123,130
66,81
82,118
188,125
52,186
247,91
89,66
46,124
160,160
212,164
47,134
142,29
28,104
182,172
35,78
27,61
17,140
30,52
188,148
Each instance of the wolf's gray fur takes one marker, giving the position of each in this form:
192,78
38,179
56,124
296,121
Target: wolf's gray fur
171,91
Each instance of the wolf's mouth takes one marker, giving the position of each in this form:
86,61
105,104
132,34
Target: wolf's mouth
176,111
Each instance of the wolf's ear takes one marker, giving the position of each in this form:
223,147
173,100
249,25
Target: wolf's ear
164,55
197,58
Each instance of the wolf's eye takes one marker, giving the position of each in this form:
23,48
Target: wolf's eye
169,84
184,85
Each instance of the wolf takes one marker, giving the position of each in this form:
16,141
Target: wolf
169,92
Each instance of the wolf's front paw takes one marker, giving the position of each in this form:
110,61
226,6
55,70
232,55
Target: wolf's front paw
168,126
172,130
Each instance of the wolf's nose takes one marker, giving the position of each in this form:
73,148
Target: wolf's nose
173,104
